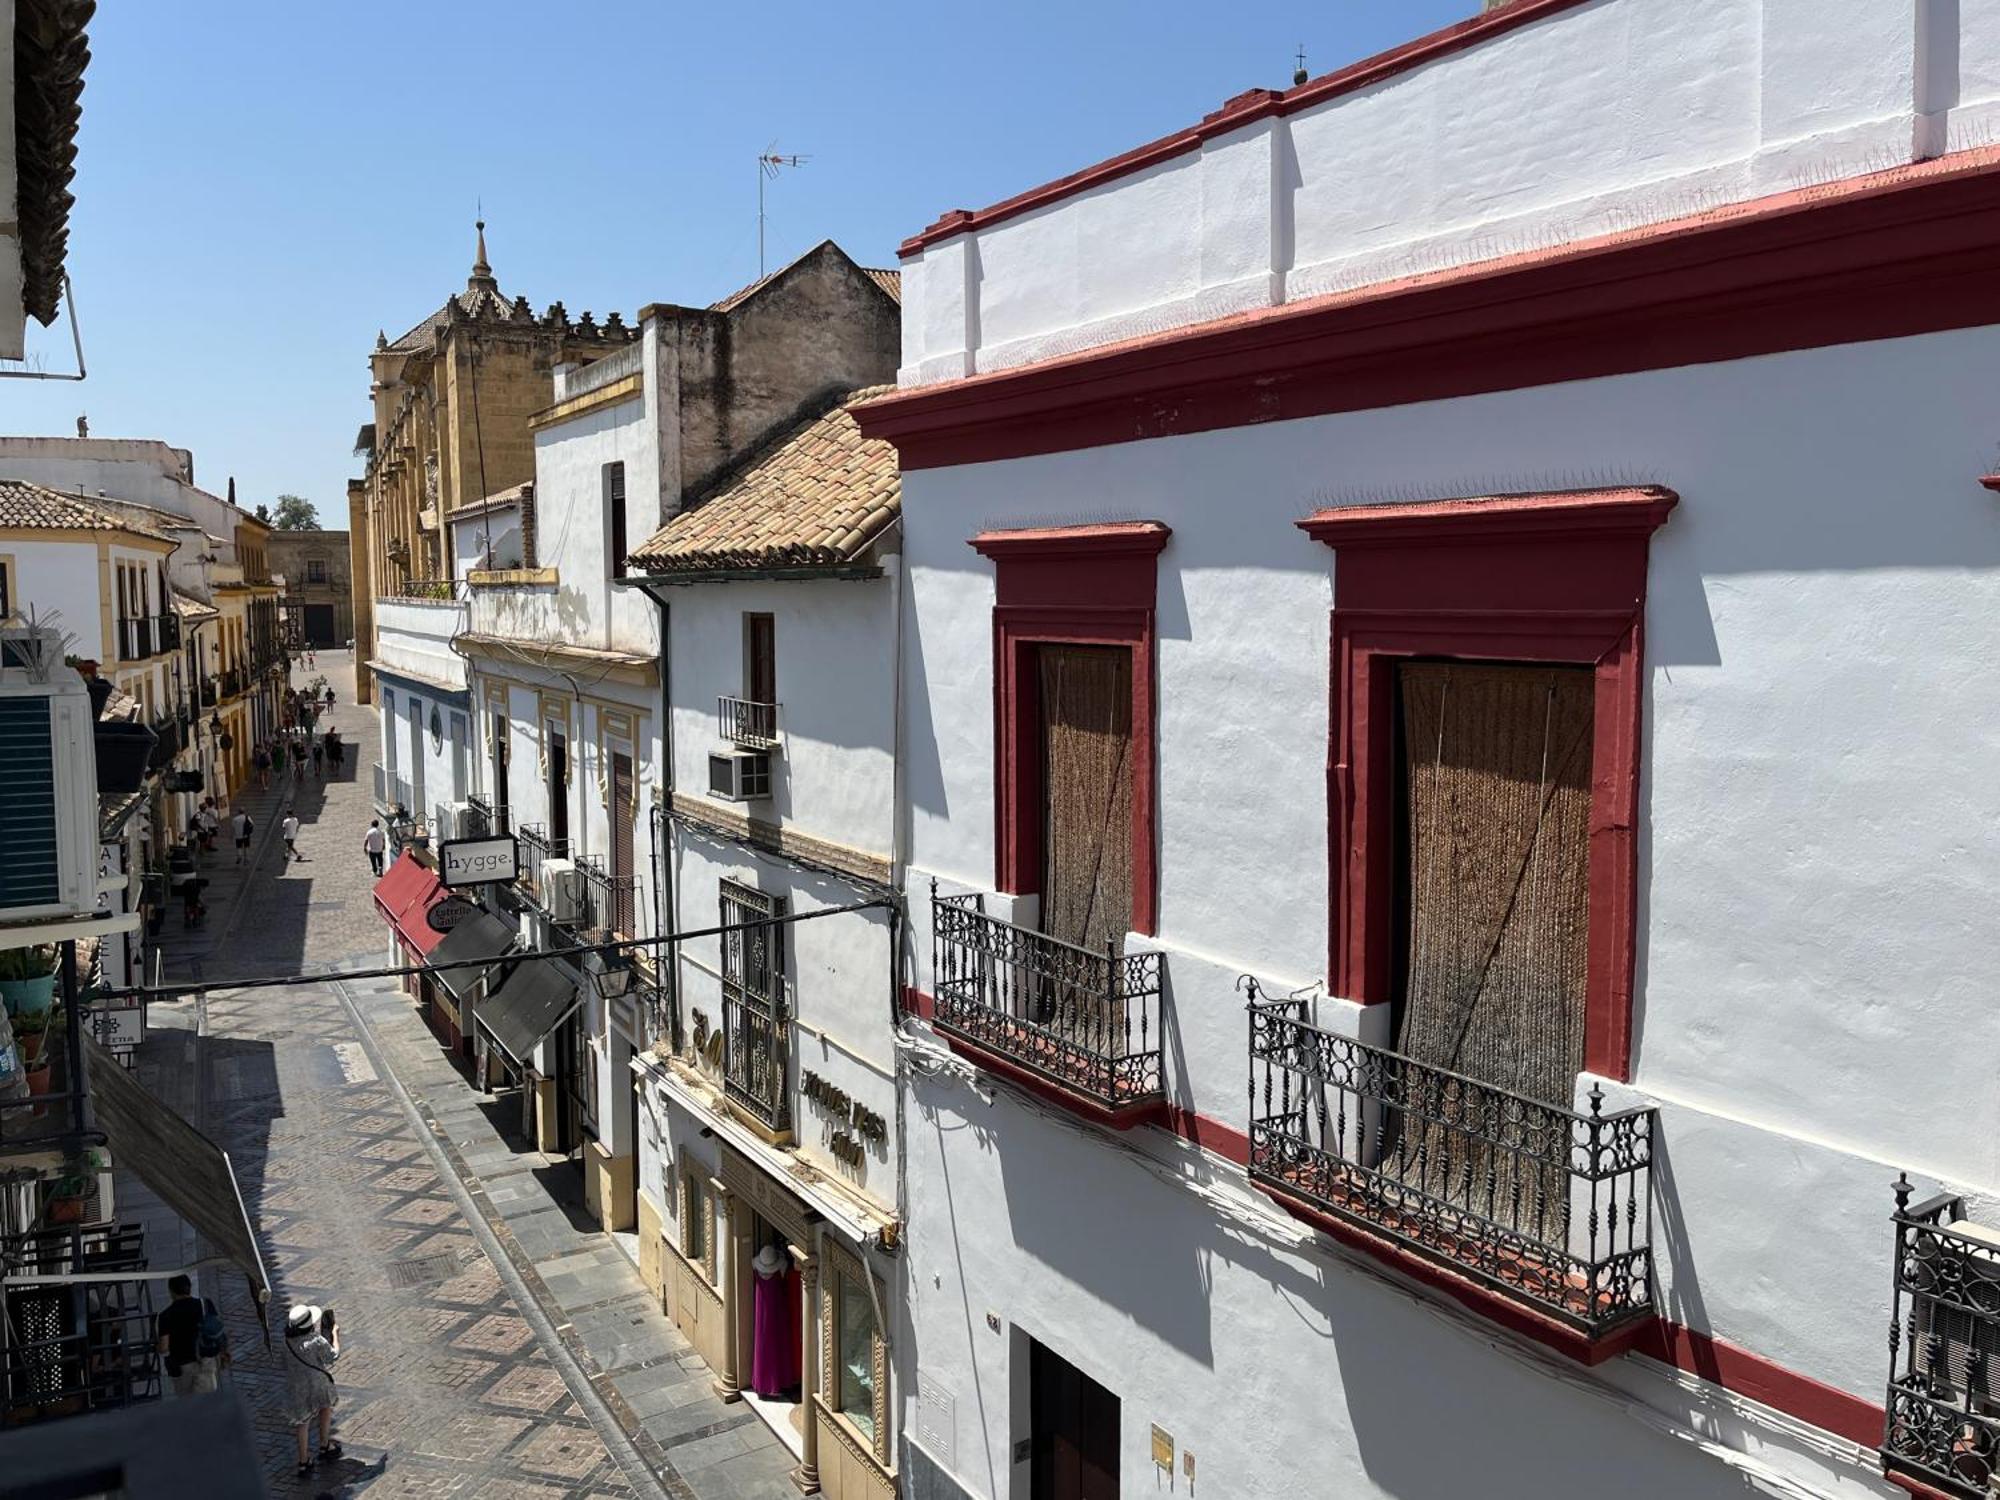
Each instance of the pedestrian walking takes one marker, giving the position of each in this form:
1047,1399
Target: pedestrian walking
278,757
376,842
312,1344
243,828
260,757
336,753
298,760
319,757
192,1339
290,829
329,697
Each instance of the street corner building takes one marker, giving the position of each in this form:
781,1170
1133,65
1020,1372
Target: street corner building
1446,767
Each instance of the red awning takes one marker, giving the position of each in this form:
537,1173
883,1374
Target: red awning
403,896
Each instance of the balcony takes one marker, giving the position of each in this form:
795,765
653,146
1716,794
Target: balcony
1085,1022
610,902
229,684
1942,1424
71,1352
746,724
537,848
432,590
392,792
482,818
147,636
756,1048
207,692
1547,1209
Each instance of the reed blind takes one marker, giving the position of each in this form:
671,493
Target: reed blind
1087,793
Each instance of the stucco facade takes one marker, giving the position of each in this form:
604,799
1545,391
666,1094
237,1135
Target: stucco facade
1810,868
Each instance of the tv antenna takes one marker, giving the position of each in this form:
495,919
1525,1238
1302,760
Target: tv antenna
768,165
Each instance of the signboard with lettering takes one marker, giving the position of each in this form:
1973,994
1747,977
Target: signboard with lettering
486,861
448,913
118,1027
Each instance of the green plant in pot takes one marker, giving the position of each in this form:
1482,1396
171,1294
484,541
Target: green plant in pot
27,980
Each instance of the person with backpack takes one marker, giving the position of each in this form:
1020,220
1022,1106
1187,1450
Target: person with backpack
244,828
192,1339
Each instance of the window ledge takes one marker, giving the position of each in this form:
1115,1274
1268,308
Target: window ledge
496,578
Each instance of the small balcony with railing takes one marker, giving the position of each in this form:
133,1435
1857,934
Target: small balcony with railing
1942,1417
608,903
483,819
142,637
392,792
747,724
1539,1216
537,849
1081,1024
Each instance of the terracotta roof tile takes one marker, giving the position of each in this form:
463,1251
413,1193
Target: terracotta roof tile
34,507
816,497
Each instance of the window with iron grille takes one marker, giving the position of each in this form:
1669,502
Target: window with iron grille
754,1020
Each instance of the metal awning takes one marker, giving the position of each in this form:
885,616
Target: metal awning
481,935
189,1172
536,998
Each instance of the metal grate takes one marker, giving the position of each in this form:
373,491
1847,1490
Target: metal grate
425,1270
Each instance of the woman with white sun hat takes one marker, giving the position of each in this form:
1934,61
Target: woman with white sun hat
312,1344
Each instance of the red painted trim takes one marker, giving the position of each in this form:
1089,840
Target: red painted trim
1458,579
1751,1375
1495,1308
1990,481
1226,1141
1084,585
1914,1486
1116,538
1714,1360
1913,250
1243,109
1151,1112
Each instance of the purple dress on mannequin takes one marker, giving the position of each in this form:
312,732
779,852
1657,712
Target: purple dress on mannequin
774,1326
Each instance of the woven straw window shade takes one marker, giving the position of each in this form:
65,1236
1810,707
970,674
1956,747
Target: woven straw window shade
1087,791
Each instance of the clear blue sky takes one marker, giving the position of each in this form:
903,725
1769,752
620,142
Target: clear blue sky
263,186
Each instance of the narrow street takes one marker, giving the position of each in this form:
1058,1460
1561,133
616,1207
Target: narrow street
494,1343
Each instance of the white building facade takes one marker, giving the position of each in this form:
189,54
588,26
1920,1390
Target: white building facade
768,1164
1523,602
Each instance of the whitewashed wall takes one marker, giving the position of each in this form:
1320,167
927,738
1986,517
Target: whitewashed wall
1819,859
834,647
63,578
414,636
1589,121
447,769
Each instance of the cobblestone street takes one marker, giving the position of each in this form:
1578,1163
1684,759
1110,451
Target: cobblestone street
494,1344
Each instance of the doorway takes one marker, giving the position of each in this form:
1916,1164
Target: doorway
774,1298
1073,1431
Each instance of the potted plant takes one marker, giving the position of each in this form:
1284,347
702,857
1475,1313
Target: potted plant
27,979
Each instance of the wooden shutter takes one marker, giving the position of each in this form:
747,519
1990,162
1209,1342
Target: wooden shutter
760,675
621,841
1497,764
1086,711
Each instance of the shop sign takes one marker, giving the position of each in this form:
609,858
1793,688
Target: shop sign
844,1109
118,1027
486,861
448,913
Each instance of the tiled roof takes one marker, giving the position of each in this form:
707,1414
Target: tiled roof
815,497
34,507
190,608
890,282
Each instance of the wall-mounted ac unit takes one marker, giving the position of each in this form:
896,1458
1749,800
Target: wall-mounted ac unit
739,775
48,749
562,890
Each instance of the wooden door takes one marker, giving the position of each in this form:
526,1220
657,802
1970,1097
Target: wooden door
1086,755
1073,1437
1496,809
558,791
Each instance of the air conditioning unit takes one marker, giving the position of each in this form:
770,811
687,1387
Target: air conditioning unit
49,749
562,890
457,821
739,775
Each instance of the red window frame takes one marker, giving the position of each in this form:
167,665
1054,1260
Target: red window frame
1549,578
1071,585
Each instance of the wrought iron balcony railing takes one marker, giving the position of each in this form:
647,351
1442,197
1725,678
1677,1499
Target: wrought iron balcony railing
229,683
748,724
144,636
68,1352
756,1050
537,848
1547,1207
610,902
1088,1021
483,818
437,590
1942,1418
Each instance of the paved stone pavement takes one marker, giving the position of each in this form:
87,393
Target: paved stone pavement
493,1345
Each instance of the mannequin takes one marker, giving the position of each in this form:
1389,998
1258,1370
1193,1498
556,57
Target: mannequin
774,1325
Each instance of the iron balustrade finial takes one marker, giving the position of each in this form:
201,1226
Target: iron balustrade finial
1902,1189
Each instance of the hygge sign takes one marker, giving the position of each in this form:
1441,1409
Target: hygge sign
478,861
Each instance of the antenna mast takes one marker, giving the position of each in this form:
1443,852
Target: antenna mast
768,164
